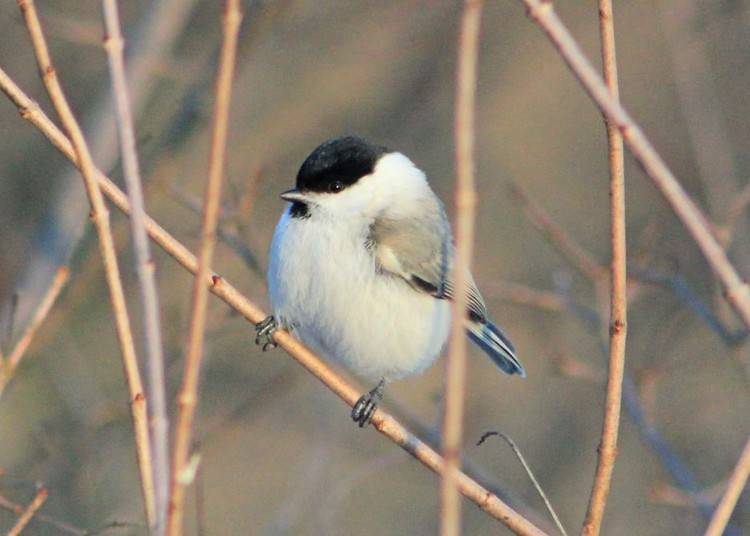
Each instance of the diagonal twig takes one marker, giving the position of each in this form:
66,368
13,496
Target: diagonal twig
732,493
618,291
145,268
583,260
736,291
100,217
61,526
383,422
9,366
465,201
188,396
29,512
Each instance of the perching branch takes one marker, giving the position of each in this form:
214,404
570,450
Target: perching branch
465,200
383,422
100,217
618,290
188,397
736,291
145,267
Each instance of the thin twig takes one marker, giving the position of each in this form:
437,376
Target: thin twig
29,512
383,422
100,217
188,397
9,367
618,290
736,291
584,261
11,506
700,102
679,472
530,474
525,295
145,268
465,202
729,500
736,208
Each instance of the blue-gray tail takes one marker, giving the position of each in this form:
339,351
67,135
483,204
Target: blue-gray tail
496,344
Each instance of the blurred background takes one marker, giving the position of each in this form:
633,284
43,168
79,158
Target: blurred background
279,454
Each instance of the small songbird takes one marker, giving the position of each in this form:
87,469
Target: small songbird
360,269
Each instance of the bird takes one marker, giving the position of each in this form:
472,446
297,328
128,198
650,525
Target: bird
360,269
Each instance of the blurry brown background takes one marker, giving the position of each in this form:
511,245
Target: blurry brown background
279,453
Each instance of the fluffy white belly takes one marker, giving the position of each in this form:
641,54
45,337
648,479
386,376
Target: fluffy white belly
324,284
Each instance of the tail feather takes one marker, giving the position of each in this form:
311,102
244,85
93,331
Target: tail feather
496,344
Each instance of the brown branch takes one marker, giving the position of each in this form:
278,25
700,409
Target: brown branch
618,290
9,366
29,512
736,291
581,259
465,201
736,208
383,422
188,397
18,509
729,500
145,267
524,295
100,217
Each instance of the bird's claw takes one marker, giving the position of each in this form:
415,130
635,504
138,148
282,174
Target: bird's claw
264,333
365,407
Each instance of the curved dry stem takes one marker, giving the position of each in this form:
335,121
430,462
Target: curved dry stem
529,473
384,423
100,217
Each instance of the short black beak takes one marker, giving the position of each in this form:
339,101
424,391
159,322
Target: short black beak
294,195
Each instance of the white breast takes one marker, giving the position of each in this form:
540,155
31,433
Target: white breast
324,284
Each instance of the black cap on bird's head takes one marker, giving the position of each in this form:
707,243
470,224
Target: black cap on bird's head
335,165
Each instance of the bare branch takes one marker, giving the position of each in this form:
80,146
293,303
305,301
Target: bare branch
100,217
29,512
618,290
145,267
729,500
188,397
736,291
465,200
559,238
11,506
534,481
8,368
384,423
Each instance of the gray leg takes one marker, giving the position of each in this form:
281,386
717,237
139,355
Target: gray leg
264,333
367,404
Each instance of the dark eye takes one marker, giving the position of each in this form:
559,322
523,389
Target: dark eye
335,187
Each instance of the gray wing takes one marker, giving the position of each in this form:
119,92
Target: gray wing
420,250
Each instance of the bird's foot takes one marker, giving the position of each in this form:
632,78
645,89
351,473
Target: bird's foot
264,333
365,407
